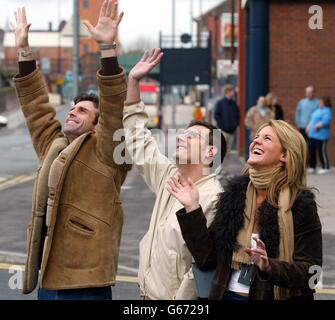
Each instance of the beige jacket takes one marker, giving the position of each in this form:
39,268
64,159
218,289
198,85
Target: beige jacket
165,262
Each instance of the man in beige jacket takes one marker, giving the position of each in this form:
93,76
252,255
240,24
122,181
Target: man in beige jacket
77,217
165,262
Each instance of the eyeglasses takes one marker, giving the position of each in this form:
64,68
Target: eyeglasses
190,134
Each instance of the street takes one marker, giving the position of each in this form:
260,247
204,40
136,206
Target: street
17,165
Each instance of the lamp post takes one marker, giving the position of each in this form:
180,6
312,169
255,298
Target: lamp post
75,50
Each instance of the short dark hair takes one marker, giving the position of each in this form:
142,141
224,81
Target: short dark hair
216,137
89,97
327,101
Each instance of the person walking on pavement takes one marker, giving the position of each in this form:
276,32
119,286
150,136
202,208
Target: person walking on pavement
318,132
257,115
304,110
164,259
227,116
272,103
74,236
266,234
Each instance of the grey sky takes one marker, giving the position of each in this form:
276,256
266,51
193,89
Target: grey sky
143,18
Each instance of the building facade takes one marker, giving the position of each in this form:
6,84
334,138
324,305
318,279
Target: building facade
283,54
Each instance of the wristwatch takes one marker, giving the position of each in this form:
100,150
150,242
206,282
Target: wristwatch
25,53
107,46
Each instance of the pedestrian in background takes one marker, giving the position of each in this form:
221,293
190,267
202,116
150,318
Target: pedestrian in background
272,103
304,110
318,131
257,115
266,234
227,115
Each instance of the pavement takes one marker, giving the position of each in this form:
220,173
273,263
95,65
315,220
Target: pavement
17,167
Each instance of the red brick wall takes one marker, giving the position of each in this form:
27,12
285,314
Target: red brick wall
47,52
90,13
300,56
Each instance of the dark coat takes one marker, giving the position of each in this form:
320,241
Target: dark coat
213,247
278,110
227,115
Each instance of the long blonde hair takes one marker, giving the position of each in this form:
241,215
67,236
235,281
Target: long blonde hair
293,173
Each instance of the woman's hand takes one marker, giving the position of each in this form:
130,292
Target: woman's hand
185,191
259,256
106,29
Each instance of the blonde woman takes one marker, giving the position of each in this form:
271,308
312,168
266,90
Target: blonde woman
266,234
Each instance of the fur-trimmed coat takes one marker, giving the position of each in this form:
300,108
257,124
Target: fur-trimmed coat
213,247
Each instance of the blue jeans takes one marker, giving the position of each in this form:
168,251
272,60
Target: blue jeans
104,293
230,296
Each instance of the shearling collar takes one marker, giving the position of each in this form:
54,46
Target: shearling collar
229,219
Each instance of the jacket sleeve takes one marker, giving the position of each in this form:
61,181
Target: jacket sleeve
249,121
112,90
142,147
218,115
39,114
298,114
326,118
307,250
197,236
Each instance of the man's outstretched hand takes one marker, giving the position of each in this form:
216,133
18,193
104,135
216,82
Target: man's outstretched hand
106,29
146,64
21,29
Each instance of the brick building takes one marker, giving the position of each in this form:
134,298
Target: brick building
281,53
217,21
46,45
54,47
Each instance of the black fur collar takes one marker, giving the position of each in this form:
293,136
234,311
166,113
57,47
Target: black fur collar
229,219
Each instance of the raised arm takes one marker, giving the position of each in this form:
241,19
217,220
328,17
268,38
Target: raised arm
141,145
32,92
111,80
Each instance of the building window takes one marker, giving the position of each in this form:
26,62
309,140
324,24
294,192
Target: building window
85,48
85,3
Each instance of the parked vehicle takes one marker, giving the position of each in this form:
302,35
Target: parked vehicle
3,121
150,96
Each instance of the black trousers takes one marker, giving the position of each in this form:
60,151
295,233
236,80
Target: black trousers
303,132
320,147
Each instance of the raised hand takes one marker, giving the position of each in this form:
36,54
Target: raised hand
21,29
146,64
106,29
259,256
185,191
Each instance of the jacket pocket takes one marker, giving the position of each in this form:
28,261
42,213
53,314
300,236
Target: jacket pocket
81,243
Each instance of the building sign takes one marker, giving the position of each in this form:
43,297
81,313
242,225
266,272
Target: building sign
225,68
226,30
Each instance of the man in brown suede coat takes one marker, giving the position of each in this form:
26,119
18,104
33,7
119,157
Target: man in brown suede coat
77,217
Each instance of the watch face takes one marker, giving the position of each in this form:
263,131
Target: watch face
26,53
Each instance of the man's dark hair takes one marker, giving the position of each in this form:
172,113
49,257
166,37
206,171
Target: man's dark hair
216,137
89,97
